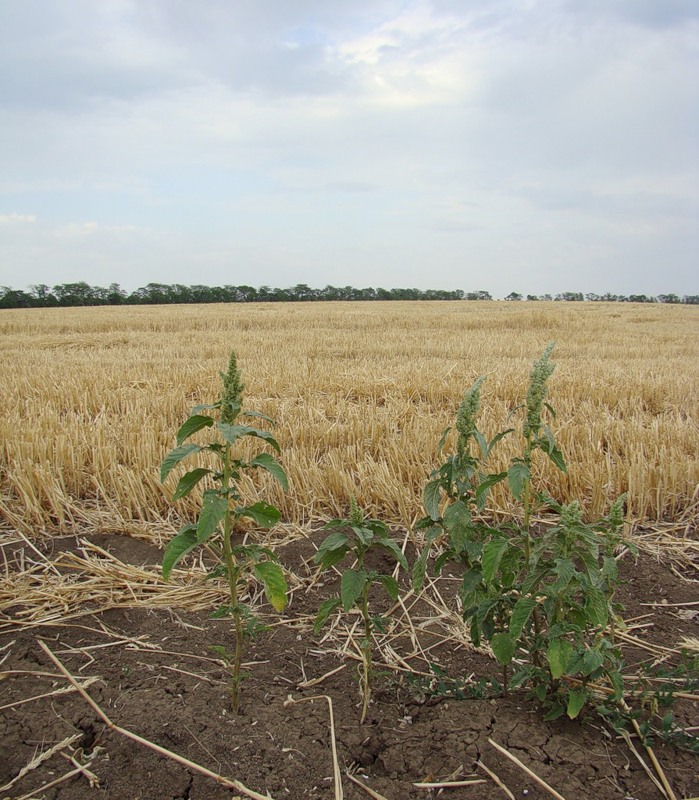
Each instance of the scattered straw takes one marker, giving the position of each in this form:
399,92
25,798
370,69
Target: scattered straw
228,783
526,769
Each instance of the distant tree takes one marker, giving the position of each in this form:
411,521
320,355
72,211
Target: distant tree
14,298
545,297
668,298
571,297
691,299
592,297
514,296
641,298
532,297
115,295
42,295
76,294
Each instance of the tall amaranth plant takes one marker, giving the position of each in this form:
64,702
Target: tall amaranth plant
222,508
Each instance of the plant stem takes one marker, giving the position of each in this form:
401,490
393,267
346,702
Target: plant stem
366,649
232,573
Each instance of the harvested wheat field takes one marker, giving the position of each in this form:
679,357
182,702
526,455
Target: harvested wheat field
361,393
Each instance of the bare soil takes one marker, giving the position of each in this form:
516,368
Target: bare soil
157,677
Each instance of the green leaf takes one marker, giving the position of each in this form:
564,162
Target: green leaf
517,475
484,487
482,444
272,577
190,426
431,499
390,584
520,615
492,553
178,547
173,458
419,569
503,646
213,510
231,433
558,655
268,462
497,438
591,661
188,481
351,586
335,541
325,610
264,514
554,712
576,700
258,415
557,457
389,544
457,520
597,607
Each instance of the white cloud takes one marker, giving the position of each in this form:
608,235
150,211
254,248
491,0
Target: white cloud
16,219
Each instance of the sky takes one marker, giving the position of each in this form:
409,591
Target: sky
535,146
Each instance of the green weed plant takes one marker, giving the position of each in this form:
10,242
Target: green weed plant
542,598
222,510
356,536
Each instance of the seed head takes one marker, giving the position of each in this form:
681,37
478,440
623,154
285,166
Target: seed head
356,517
232,396
616,512
536,395
466,415
571,515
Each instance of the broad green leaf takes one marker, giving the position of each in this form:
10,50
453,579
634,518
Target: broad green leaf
209,407
517,475
325,610
173,458
273,580
178,547
557,457
591,661
482,444
364,535
484,487
503,646
188,481
597,607
231,433
564,570
390,584
264,514
576,700
335,541
268,462
190,426
457,516
431,499
351,586
558,655
520,615
443,440
390,545
213,510
554,712
331,557
492,553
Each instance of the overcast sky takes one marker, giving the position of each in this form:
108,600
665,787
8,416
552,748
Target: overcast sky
506,145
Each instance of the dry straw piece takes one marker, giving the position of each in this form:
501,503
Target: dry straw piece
360,391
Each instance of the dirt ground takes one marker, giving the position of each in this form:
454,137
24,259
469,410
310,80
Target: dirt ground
150,669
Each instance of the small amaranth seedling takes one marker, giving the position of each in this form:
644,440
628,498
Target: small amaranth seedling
222,509
356,536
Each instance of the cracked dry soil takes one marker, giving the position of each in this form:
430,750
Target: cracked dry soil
167,687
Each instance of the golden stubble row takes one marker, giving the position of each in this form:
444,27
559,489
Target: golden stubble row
361,393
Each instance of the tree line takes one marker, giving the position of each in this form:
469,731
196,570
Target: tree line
82,294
